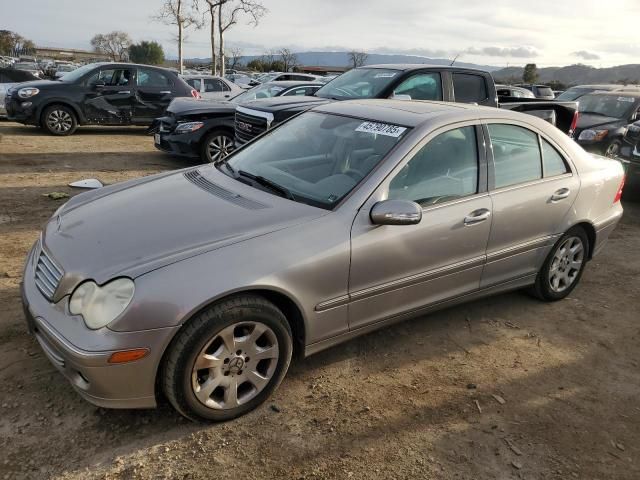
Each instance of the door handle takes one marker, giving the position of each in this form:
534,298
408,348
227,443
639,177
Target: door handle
165,92
560,194
477,216
124,92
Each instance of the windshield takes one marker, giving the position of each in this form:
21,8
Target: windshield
25,66
316,158
616,106
264,90
572,94
358,83
78,73
545,92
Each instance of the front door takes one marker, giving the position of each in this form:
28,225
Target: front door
532,189
397,269
109,96
155,90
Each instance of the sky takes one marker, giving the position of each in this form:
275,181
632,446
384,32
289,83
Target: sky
500,32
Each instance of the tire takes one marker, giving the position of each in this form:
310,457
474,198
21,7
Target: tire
613,149
560,272
59,120
206,394
216,145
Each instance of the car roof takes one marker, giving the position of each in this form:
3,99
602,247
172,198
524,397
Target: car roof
204,75
406,67
412,113
293,83
623,93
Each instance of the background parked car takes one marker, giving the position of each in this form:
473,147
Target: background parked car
30,67
204,129
574,93
240,79
282,77
514,92
62,70
9,77
543,92
630,157
97,94
212,87
604,118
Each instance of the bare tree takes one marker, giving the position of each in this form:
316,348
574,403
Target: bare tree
213,10
183,14
357,59
229,12
289,59
234,55
114,44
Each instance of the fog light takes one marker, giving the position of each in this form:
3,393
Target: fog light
26,104
128,355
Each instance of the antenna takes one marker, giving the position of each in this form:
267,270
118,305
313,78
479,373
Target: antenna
454,60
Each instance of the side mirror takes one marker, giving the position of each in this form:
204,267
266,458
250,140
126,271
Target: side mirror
396,212
635,117
89,183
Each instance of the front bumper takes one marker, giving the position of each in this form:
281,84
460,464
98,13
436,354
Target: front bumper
184,145
82,355
17,113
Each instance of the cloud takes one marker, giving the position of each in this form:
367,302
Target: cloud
583,54
517,52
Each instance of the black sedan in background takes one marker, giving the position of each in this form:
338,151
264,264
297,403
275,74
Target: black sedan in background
205,128
604,118
9,77
96,94
630,157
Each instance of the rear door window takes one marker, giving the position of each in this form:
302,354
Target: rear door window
152,78
516,155
195,83
112,77
214,85
469,88
552,161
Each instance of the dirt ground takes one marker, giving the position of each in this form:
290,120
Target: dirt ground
506,387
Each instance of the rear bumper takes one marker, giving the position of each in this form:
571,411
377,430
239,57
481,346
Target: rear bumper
604,226
85,364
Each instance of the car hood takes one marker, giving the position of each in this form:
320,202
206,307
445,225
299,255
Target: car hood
190,106
587,120
285,103
132,228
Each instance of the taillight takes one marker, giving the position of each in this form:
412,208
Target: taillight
195,93
574,123
619,192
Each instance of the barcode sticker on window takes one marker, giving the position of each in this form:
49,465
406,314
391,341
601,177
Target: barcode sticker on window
381,129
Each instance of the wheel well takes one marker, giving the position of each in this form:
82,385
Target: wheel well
591,235
223,128
64,104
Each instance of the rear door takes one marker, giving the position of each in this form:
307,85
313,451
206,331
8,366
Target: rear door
532,188
109,96
473,88
154,92
216,89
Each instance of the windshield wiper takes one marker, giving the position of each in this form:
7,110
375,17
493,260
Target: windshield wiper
265,182
225,163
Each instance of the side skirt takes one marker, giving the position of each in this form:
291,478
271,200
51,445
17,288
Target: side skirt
484,292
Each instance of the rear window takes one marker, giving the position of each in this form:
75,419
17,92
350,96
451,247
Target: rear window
469,88
545,92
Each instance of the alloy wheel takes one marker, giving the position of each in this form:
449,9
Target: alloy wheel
235,365
612,150
566,264
219,147
59,121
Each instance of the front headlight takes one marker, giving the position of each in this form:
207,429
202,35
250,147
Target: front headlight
28,92
188,127
100,305
593,135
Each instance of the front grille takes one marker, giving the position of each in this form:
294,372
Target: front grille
48,275
248,127
207,185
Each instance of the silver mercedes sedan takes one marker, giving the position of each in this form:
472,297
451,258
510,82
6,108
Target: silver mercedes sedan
202,284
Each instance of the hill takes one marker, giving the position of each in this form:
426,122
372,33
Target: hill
575,74
341,59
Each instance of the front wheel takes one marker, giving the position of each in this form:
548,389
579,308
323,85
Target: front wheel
563,268
613,149
228,360
59,120
216,146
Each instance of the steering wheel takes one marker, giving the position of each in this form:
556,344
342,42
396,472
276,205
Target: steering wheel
357,175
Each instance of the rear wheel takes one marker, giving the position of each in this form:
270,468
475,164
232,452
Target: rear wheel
228,360
216,146
59,120
563,268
